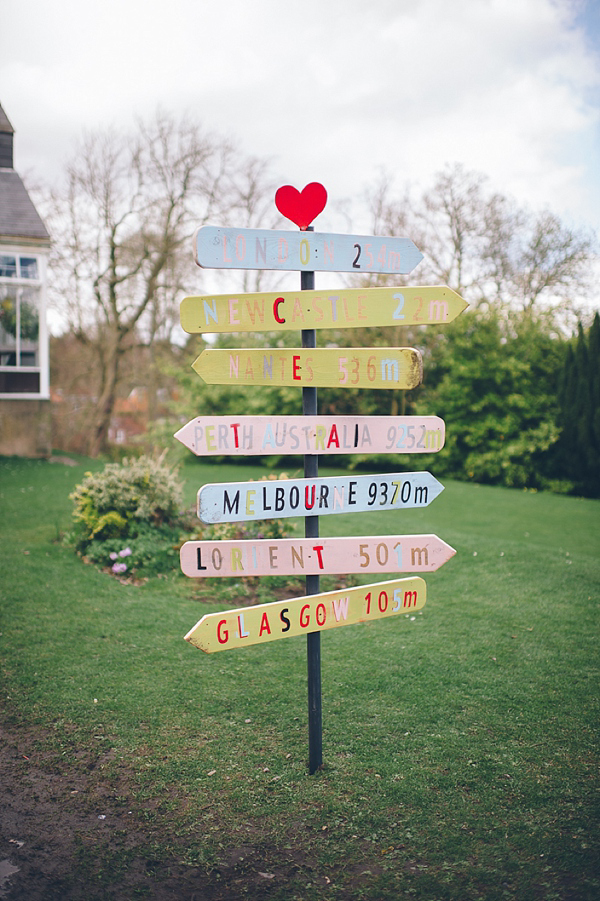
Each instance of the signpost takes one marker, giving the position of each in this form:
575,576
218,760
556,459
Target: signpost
244,501
346,308
306,615
304,251
310,434
308,368
309,556
327,367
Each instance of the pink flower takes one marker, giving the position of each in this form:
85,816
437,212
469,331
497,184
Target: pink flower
126,552
119,567
113,555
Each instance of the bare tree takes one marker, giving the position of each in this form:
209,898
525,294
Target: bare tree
122,228
483,245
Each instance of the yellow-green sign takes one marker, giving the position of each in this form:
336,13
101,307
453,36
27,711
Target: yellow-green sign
282,619
343,308
329,367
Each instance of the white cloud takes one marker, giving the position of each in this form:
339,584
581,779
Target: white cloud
331,91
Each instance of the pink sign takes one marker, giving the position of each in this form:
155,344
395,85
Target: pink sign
263,435
310,556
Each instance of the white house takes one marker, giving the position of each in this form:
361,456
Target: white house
24,364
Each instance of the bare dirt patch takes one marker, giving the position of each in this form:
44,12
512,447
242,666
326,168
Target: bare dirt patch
69,833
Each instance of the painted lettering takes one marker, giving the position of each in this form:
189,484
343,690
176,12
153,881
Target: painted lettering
304,252
276,306
282,253
212,312
257,311
340,608
297,312
233,311
438,310
240,247
410,598
421,494
231,506
236,559
264,625
389,370
298,557
210,438
261,251
318,548
323,495
241,630
419,552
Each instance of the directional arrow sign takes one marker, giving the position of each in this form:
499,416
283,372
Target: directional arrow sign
238,436
243,501
310,556
250,248
327,367
344,308
283,619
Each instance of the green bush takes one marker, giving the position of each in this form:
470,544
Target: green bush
128,516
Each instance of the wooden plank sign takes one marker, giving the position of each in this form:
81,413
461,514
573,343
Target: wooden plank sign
346,308
283,619
311,556
253,248
238,436
281,498
327,367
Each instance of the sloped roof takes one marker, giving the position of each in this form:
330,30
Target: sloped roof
5,125
18,216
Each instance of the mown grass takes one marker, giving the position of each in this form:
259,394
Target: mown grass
460,743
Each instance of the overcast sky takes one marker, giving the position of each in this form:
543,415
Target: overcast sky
329,90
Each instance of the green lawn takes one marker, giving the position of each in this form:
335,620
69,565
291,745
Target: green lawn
460,743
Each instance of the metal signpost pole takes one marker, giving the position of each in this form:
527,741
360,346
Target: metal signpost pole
311,530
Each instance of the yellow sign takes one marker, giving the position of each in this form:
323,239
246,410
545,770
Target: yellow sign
327,367
314,613
345,308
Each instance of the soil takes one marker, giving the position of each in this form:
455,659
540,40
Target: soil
67,833
62,828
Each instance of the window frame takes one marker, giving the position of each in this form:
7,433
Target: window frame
37,285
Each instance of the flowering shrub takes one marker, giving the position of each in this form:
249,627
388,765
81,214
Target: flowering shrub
129,510
142,490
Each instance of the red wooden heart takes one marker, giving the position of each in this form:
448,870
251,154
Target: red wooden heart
301,206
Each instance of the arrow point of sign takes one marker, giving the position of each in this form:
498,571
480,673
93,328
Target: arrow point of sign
199,365
194,638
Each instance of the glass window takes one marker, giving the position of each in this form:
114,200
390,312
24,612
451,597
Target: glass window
19,325
29,267
8,266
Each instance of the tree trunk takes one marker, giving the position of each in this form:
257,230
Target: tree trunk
106,402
